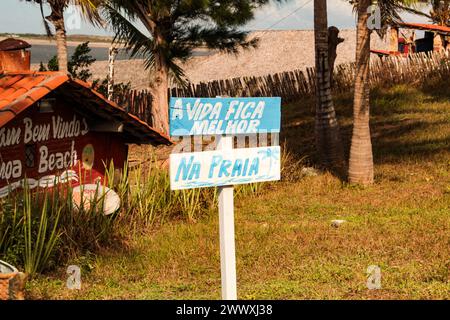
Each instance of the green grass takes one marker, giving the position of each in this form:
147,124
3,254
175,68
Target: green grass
286,248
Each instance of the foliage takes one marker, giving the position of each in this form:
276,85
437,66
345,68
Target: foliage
78,65
391,11
177,27
80,62
29,229
440,12
40,238
89,10
41,229
120,89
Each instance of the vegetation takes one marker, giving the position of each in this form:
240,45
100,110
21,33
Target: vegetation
174,29
286,247
328,139
56,18
395,206
42,229
78,65
361,158
440,12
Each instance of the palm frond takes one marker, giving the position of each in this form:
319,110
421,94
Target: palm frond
48,31
90,10
128,34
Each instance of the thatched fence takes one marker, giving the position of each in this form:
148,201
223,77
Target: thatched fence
295,85
137,102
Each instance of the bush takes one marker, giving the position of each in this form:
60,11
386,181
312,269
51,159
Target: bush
78,65
41,229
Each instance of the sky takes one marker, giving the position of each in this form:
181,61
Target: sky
18,16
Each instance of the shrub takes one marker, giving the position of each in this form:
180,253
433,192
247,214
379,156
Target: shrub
41,228
78,64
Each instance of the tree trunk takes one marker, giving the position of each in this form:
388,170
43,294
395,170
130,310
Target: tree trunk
159,80
361,159
57,19
328,140
160,106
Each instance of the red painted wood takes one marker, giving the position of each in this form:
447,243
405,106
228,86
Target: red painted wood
106,146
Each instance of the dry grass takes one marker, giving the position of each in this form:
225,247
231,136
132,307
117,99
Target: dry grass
286,248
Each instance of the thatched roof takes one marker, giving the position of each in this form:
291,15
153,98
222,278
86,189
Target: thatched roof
278,51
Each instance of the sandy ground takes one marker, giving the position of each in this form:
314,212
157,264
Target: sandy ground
278,51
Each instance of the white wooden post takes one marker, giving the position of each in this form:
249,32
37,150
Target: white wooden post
226,226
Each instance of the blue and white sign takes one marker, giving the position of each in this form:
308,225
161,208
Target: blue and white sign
224,167
219,168
216,116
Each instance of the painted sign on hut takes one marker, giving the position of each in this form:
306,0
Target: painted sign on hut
56,129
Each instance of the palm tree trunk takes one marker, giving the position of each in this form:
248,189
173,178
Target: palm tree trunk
328,140
57,19
159,88
361,158
61,45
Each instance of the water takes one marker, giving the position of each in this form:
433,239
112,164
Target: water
44,53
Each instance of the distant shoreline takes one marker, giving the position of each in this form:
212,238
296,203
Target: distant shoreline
71,43
102,41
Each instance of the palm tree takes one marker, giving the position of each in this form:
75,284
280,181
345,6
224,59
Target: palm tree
361,157
56,18
172,30
328,140
439,13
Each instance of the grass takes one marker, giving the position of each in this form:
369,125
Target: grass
286,247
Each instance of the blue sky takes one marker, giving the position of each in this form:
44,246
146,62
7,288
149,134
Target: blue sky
21,17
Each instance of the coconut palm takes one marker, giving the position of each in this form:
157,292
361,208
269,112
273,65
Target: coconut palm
328,140
439,13
173,28
89,9
361,157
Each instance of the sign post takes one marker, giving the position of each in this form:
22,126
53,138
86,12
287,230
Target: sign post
225,166
226,226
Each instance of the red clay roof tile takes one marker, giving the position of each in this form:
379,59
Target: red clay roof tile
19,90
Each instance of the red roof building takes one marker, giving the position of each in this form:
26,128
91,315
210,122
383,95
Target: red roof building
56,129
435,39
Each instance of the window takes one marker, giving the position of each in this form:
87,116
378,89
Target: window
46,105
30,155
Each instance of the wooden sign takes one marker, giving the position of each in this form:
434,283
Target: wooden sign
216,116
43,149
218,168
224,167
